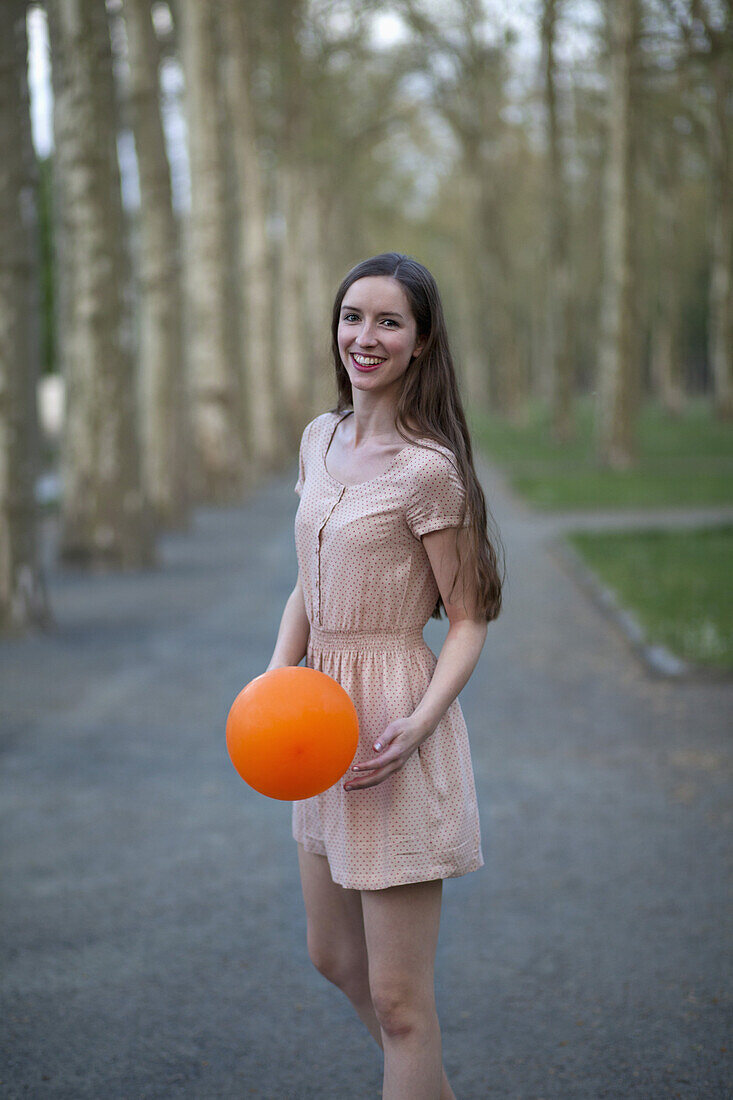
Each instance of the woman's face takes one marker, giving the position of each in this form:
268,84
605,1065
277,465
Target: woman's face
377,333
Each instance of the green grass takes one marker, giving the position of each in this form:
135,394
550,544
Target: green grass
682,461
677,584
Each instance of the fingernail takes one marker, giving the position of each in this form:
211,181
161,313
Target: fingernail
378,747
355,768
347,788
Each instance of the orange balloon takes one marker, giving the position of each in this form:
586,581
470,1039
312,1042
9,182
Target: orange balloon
292,732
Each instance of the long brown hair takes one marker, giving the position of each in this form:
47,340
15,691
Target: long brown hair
430,401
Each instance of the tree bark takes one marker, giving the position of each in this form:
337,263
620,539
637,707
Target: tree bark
214,384
496,271
666,359
23,599
255,276
163,405
316,293
473,305
105,518
559,346
617,367
291,357
720,327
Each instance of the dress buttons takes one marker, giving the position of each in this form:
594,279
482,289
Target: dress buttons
339,494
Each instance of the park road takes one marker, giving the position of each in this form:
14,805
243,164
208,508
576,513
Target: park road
152,925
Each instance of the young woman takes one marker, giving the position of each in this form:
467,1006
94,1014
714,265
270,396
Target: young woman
391,526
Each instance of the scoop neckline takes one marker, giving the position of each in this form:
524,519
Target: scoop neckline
356,484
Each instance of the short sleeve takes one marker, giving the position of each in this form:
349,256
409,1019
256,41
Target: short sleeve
438,497
301,457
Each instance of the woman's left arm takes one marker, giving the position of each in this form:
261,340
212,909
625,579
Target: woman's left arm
458,657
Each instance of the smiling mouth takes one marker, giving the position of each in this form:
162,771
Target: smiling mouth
366,360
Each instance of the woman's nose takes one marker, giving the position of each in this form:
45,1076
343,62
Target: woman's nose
366,336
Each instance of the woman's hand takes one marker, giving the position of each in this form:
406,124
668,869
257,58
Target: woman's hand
394,747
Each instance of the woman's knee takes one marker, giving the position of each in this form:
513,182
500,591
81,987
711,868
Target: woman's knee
341,964
401,1006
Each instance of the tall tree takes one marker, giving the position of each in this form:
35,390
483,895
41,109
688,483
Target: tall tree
23,600
254,281
316,291
708,35
618,368
720,42
348,127
162,391
665,155
214,382
469,75
291,361
698,35
559,347
105,518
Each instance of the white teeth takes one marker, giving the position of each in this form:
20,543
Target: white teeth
364,361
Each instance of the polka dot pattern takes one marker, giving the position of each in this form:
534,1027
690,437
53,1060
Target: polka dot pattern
369,590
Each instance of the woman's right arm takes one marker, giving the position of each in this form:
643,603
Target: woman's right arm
292,637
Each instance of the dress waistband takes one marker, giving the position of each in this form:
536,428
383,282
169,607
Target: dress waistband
359,640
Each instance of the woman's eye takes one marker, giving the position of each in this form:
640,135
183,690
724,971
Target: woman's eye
355,317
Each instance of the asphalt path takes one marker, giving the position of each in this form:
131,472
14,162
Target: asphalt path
152,924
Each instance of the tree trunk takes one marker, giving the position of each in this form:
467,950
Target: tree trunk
162,393
291,357
23,601
559,347
105,519
617,365
476,353
720,325
495,273
254,282
666,359
316,295
215,389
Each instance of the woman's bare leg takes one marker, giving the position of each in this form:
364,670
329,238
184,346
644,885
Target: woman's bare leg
336,934
401,929
337,942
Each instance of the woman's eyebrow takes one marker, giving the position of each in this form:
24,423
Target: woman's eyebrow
386,313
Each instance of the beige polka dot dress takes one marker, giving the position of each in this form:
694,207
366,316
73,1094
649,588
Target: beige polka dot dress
369,590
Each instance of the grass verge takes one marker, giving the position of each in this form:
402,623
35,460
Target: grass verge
684,461
677,584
